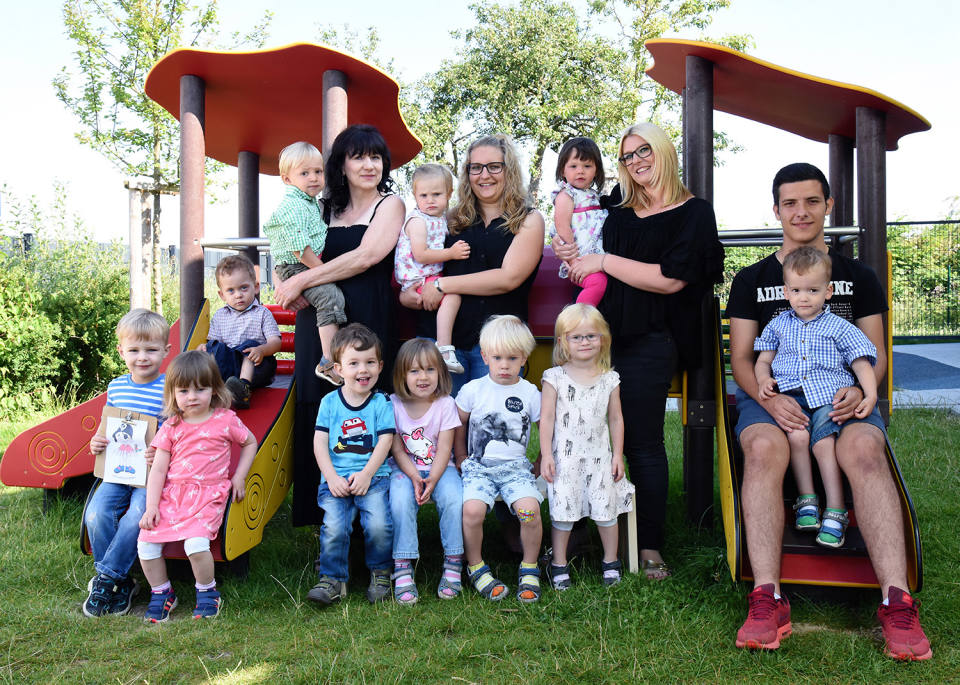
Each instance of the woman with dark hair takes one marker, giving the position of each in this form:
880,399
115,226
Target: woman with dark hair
493,214
364,220
662,256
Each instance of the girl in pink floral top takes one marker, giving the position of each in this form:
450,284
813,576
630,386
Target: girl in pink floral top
189,482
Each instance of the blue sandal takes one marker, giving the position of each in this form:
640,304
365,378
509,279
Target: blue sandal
528,590
833,528
450,589
488,586
808,512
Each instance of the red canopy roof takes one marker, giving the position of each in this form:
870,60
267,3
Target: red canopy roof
809,106
263,100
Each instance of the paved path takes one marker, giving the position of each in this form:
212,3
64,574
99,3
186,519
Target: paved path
927,375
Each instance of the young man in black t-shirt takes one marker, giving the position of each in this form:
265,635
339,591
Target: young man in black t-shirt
802,201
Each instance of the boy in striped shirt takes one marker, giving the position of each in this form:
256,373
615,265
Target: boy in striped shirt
112,517
805,352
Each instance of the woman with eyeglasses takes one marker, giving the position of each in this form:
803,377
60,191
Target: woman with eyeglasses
662,253
493,215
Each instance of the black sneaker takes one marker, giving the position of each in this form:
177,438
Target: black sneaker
379,587
123,596
328,591
101,595
240,389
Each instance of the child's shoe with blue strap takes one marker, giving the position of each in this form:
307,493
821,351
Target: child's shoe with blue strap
833,528
808,512
161,604
208,604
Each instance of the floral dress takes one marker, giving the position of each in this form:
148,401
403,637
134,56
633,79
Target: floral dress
407,270
586,222
584,485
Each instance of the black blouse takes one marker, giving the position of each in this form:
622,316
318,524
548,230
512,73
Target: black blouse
684,242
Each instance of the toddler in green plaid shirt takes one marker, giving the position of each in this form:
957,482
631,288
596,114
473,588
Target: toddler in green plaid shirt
297,236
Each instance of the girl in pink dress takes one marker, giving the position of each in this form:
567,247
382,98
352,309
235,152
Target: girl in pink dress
189,482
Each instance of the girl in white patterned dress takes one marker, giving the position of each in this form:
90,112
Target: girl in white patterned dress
577,215
581,439
420,252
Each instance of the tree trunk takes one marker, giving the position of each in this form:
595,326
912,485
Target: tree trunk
536,173
158,259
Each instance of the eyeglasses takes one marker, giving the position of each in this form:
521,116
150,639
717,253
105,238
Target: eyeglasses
492,167
641,152
589,337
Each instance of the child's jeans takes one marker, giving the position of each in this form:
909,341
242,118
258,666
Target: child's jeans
448,495
230,361
338,516
113,523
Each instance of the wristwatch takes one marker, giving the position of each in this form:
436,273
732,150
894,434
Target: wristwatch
436,284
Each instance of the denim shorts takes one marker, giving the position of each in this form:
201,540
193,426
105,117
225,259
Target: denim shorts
511,480
820,426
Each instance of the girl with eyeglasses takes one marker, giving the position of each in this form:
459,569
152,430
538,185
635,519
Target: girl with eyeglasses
662,256
581,440
493,215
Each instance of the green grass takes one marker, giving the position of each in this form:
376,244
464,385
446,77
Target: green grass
678,630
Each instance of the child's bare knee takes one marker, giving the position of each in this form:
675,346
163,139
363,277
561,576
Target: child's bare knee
528,512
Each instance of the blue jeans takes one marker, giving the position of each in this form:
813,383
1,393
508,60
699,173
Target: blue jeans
473,368
338,516
448,496
113,524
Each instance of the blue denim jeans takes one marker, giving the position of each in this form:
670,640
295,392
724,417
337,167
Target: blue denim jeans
448,496
338,516
113,524
473,368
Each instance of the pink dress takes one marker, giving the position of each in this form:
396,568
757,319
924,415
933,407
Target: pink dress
195,493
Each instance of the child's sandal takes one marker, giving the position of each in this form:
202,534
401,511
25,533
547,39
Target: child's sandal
449,356
528,589
833,528
450,589
488,586
559,577
406,593
808,512
612,572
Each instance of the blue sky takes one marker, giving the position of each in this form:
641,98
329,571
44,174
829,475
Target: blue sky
906,55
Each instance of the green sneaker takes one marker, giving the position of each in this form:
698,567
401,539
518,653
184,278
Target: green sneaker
808,512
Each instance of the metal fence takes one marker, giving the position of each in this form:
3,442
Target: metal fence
926,271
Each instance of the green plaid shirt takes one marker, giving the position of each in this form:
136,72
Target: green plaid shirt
294,225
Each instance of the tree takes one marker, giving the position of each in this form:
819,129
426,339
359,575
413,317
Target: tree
117,43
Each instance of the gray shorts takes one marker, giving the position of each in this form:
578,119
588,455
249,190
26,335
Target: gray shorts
511,480
327,299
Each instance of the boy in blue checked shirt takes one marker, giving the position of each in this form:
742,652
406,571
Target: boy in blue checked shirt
243,336
297,236
805,352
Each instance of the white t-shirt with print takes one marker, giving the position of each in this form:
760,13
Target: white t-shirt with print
501,417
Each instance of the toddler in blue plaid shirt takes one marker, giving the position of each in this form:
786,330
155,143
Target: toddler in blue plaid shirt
805,352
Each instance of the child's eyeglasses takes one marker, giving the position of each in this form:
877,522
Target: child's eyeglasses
577,339
492,167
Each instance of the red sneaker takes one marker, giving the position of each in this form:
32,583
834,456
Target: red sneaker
768,620
902,633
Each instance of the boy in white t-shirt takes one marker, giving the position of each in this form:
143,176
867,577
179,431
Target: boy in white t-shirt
497,413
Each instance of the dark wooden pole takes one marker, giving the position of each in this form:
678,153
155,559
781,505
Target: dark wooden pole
334,107
701,405
248,182
841,186
872,209
192,161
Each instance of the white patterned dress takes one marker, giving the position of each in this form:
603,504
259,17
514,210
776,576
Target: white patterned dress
586,221
407,270
584,484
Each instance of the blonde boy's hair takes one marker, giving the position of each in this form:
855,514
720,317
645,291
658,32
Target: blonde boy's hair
574,315
142,324
425,171
666,169
197,369
506,333
296,154
805,259
425,353
234,262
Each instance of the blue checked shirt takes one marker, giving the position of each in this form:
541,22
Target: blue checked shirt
232,327
814,355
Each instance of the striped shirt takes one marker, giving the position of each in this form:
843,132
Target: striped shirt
232,327
145,398
295,225
814,355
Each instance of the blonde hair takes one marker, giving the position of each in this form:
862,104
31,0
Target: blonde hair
425,171
506,333
425,353
143,324
296,154
574,315
199,370
666,169
805,259
514,202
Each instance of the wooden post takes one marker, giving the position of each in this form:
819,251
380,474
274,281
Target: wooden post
137,287
872,210
334,107
841,187
192,163
701,406
248,182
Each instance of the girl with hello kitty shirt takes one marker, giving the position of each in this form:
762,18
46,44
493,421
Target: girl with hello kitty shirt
189,482
425,416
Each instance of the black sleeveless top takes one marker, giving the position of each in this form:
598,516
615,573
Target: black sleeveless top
369,300
488,247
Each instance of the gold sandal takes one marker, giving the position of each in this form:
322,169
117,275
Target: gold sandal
655,570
